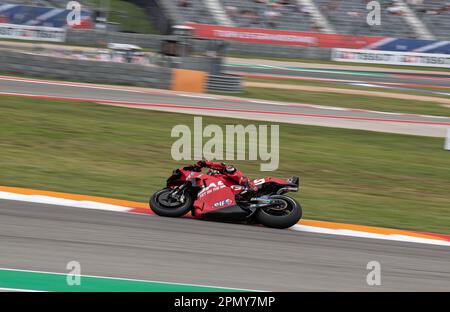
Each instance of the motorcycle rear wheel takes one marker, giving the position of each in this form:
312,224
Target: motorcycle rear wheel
162,207
280,219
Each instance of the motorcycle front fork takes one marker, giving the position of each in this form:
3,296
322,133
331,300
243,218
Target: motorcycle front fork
178,193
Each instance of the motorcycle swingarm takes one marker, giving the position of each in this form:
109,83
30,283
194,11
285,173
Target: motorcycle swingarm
254,205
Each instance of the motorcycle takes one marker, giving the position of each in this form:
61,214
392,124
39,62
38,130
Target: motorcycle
215,197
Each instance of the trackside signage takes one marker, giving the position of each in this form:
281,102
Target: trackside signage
281,37
37,33
271,37
391,58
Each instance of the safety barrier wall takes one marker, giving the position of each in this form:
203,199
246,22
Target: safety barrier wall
271,50
96,37
114,73
102,37
85,70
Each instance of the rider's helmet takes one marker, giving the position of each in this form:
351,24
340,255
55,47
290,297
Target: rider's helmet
230,169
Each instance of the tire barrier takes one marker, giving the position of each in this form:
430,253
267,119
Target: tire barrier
225,83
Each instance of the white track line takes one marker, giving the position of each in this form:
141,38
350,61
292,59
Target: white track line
195,96
2,289
48,200
351,233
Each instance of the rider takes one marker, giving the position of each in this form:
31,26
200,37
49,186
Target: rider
230,171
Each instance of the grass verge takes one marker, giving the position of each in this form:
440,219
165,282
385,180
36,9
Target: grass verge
410,90
348,175
355,101
131,17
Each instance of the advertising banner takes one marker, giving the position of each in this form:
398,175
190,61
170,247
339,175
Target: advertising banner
282,37
313,39
37,33
391,58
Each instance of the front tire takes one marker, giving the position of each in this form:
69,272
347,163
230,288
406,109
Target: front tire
162,207
280,219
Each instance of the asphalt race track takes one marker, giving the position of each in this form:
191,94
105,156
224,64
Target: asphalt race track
213,105
45,238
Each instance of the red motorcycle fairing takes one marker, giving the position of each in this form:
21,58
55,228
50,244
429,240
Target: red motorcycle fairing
216,199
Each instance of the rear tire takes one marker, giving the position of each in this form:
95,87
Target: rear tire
176,211
274,219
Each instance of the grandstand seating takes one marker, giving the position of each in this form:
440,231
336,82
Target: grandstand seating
251,13
350,17
194,11
436,16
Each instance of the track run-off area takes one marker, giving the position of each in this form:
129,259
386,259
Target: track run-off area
339,73
227,106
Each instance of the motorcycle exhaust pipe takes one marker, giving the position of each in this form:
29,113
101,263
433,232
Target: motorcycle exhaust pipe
287,189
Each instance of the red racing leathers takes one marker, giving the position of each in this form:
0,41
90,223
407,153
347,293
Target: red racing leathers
230,171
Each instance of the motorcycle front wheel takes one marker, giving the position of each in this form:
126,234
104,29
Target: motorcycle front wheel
281,216
164,205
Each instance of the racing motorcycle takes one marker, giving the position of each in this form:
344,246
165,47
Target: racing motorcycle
213,196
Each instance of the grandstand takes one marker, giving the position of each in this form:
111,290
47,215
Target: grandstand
435,14
350,17
423,19
282,15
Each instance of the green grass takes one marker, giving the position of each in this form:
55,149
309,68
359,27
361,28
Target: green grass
347,100
348,86
131,17
348,175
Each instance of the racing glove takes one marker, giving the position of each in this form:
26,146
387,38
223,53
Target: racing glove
200,164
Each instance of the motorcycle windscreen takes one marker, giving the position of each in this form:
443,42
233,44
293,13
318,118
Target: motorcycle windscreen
218,204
